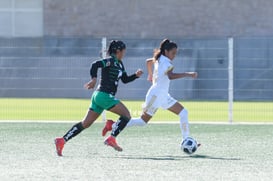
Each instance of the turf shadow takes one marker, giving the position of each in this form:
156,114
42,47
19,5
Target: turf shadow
173,157
197,156
134,157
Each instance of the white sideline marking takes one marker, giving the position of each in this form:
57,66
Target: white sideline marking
152,122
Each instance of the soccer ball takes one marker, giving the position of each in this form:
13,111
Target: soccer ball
189,145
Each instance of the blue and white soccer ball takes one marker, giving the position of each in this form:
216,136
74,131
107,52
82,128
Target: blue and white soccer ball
189,145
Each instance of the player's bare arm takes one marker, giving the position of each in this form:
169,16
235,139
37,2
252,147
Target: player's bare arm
173,75
94,73
149,64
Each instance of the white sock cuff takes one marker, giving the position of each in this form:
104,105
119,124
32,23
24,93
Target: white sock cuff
183,113
143,123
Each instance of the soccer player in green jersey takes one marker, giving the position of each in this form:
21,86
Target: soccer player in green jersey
112,70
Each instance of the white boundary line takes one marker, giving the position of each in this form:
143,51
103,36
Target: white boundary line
152,122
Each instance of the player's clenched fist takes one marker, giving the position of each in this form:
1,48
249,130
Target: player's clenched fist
91,84
194,74
139,72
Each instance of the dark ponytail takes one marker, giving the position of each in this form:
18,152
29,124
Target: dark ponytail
114,46
166,44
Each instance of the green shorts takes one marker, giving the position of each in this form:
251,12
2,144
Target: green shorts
102,101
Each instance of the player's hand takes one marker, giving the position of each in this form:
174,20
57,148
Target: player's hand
91,84
139,72
194,74
150,78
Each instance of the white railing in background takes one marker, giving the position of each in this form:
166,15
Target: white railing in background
230,79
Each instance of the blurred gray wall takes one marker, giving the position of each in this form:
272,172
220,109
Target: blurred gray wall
135,18
158,18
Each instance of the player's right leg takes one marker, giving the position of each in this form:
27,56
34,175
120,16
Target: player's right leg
76,129
89,119
92,114
152,103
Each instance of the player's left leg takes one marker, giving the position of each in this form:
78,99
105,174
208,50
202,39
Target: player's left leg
124,118
179,110
174,106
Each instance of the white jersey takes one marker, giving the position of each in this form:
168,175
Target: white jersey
161,81
158,94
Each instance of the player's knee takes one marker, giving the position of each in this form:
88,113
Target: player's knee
127,117
124,119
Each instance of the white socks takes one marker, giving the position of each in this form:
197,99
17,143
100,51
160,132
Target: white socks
133,122
136,122
184,123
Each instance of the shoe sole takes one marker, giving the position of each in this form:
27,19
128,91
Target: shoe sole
115,148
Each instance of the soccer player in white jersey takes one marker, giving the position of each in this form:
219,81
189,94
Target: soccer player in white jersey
160,72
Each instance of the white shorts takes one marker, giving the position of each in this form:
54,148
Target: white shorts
155,100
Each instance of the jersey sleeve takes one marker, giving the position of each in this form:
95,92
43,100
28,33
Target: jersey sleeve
125,78
167,67
96,65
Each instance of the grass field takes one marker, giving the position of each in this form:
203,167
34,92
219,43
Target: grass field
228,152
75,109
